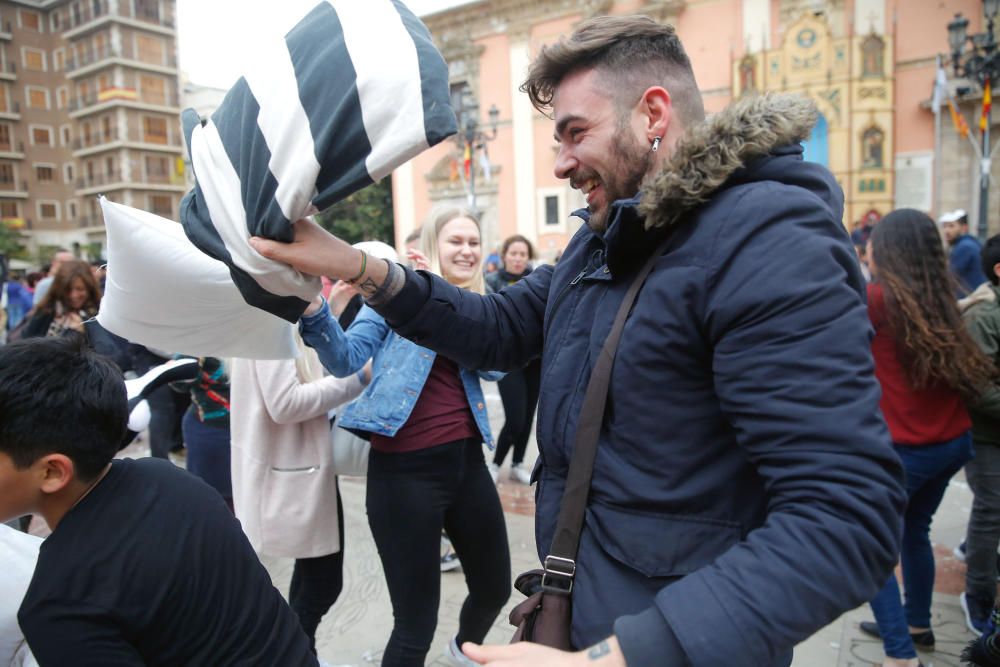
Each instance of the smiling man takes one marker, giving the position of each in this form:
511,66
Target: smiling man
745,491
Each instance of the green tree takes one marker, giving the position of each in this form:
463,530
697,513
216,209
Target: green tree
364,216
10,242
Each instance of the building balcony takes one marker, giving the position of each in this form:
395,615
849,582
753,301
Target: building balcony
10,151
11,189
84,105
93,60
8,71
95,143
12,112
86,19
89,221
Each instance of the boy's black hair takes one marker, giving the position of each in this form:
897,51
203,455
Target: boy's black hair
59,396
990,257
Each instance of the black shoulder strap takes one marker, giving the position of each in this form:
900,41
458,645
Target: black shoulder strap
560,564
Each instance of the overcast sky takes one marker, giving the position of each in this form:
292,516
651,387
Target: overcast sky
214,37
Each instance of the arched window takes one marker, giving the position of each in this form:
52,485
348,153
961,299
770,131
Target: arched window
748,74
872,53
872,144
816,148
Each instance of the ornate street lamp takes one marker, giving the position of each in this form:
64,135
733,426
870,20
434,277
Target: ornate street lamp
980,63
470,137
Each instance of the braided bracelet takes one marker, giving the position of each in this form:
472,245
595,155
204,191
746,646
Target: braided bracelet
364,265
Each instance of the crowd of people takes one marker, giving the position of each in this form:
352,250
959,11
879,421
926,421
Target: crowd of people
784,412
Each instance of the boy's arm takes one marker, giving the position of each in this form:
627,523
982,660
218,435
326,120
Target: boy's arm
984,331
79,635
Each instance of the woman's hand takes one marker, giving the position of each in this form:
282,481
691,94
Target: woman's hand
73,321
418,260
340,295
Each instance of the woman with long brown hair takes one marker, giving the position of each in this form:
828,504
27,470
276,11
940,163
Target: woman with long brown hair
73,298
928,365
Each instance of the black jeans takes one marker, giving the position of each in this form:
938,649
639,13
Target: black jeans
167,408
519,393
983,536
410,497
317,582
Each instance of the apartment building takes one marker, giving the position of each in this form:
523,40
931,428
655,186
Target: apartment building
89,105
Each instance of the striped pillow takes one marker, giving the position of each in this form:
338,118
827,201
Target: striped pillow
353,91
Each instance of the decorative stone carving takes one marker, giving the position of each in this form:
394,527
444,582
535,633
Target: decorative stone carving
664,11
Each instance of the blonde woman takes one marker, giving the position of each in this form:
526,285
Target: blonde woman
284,485
426,418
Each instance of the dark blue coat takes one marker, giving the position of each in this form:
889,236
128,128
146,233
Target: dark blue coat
745,492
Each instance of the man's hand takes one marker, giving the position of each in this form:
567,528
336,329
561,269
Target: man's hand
316,252
525,654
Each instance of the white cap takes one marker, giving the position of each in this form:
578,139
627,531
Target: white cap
952,216
378,249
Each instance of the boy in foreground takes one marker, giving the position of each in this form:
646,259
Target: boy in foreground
145,565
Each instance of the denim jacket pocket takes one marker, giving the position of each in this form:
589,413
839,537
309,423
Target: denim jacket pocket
660,545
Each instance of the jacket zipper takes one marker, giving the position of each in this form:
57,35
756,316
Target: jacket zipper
562,293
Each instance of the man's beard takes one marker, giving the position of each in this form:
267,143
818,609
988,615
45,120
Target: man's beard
631,161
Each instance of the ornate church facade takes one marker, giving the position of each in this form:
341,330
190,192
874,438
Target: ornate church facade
869,65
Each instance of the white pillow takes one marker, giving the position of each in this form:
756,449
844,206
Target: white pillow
163,292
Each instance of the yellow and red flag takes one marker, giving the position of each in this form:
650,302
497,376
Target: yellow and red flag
958,120
987,104
467,160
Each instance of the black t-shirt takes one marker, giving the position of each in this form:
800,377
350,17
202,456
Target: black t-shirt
151,568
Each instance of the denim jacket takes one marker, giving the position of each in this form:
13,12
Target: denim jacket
400,369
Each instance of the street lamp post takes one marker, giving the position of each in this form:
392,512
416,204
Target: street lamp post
981,63
470,137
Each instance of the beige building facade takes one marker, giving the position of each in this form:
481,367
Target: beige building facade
868,64
89,106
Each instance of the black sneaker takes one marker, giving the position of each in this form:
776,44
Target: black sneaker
922,641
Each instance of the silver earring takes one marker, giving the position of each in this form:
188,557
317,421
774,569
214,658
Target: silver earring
656,143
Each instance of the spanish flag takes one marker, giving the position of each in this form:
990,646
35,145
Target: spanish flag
467,160
958,120
987,103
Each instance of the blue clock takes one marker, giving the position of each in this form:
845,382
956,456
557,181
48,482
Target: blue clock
806,38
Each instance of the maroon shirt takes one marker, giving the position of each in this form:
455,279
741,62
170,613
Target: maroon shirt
441,414
926,416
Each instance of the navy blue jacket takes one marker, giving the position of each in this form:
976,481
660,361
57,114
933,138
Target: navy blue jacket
965,262
745,492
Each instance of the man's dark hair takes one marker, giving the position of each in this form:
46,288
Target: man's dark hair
990,257
632,52
57,396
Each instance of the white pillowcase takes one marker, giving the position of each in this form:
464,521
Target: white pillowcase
163,292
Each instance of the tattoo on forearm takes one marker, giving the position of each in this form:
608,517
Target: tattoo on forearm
598,651
368,287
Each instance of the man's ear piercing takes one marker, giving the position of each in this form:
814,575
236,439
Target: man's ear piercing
656,143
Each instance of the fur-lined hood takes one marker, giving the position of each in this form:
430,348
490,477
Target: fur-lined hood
712,152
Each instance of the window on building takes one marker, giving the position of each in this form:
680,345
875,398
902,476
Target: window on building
9,209
68,173
154,89
150,49
30,20
6,173
33,59
41,136
106,128
5,143
101,46
67,135
44,173
48,210
85,126
62,97
59,59
103,83
54,20
71,209
109,166
157,169
148,10
162,205
38,98
154,130
4,99
552,210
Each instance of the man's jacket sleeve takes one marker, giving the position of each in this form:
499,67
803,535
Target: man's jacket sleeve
793,372
501,331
